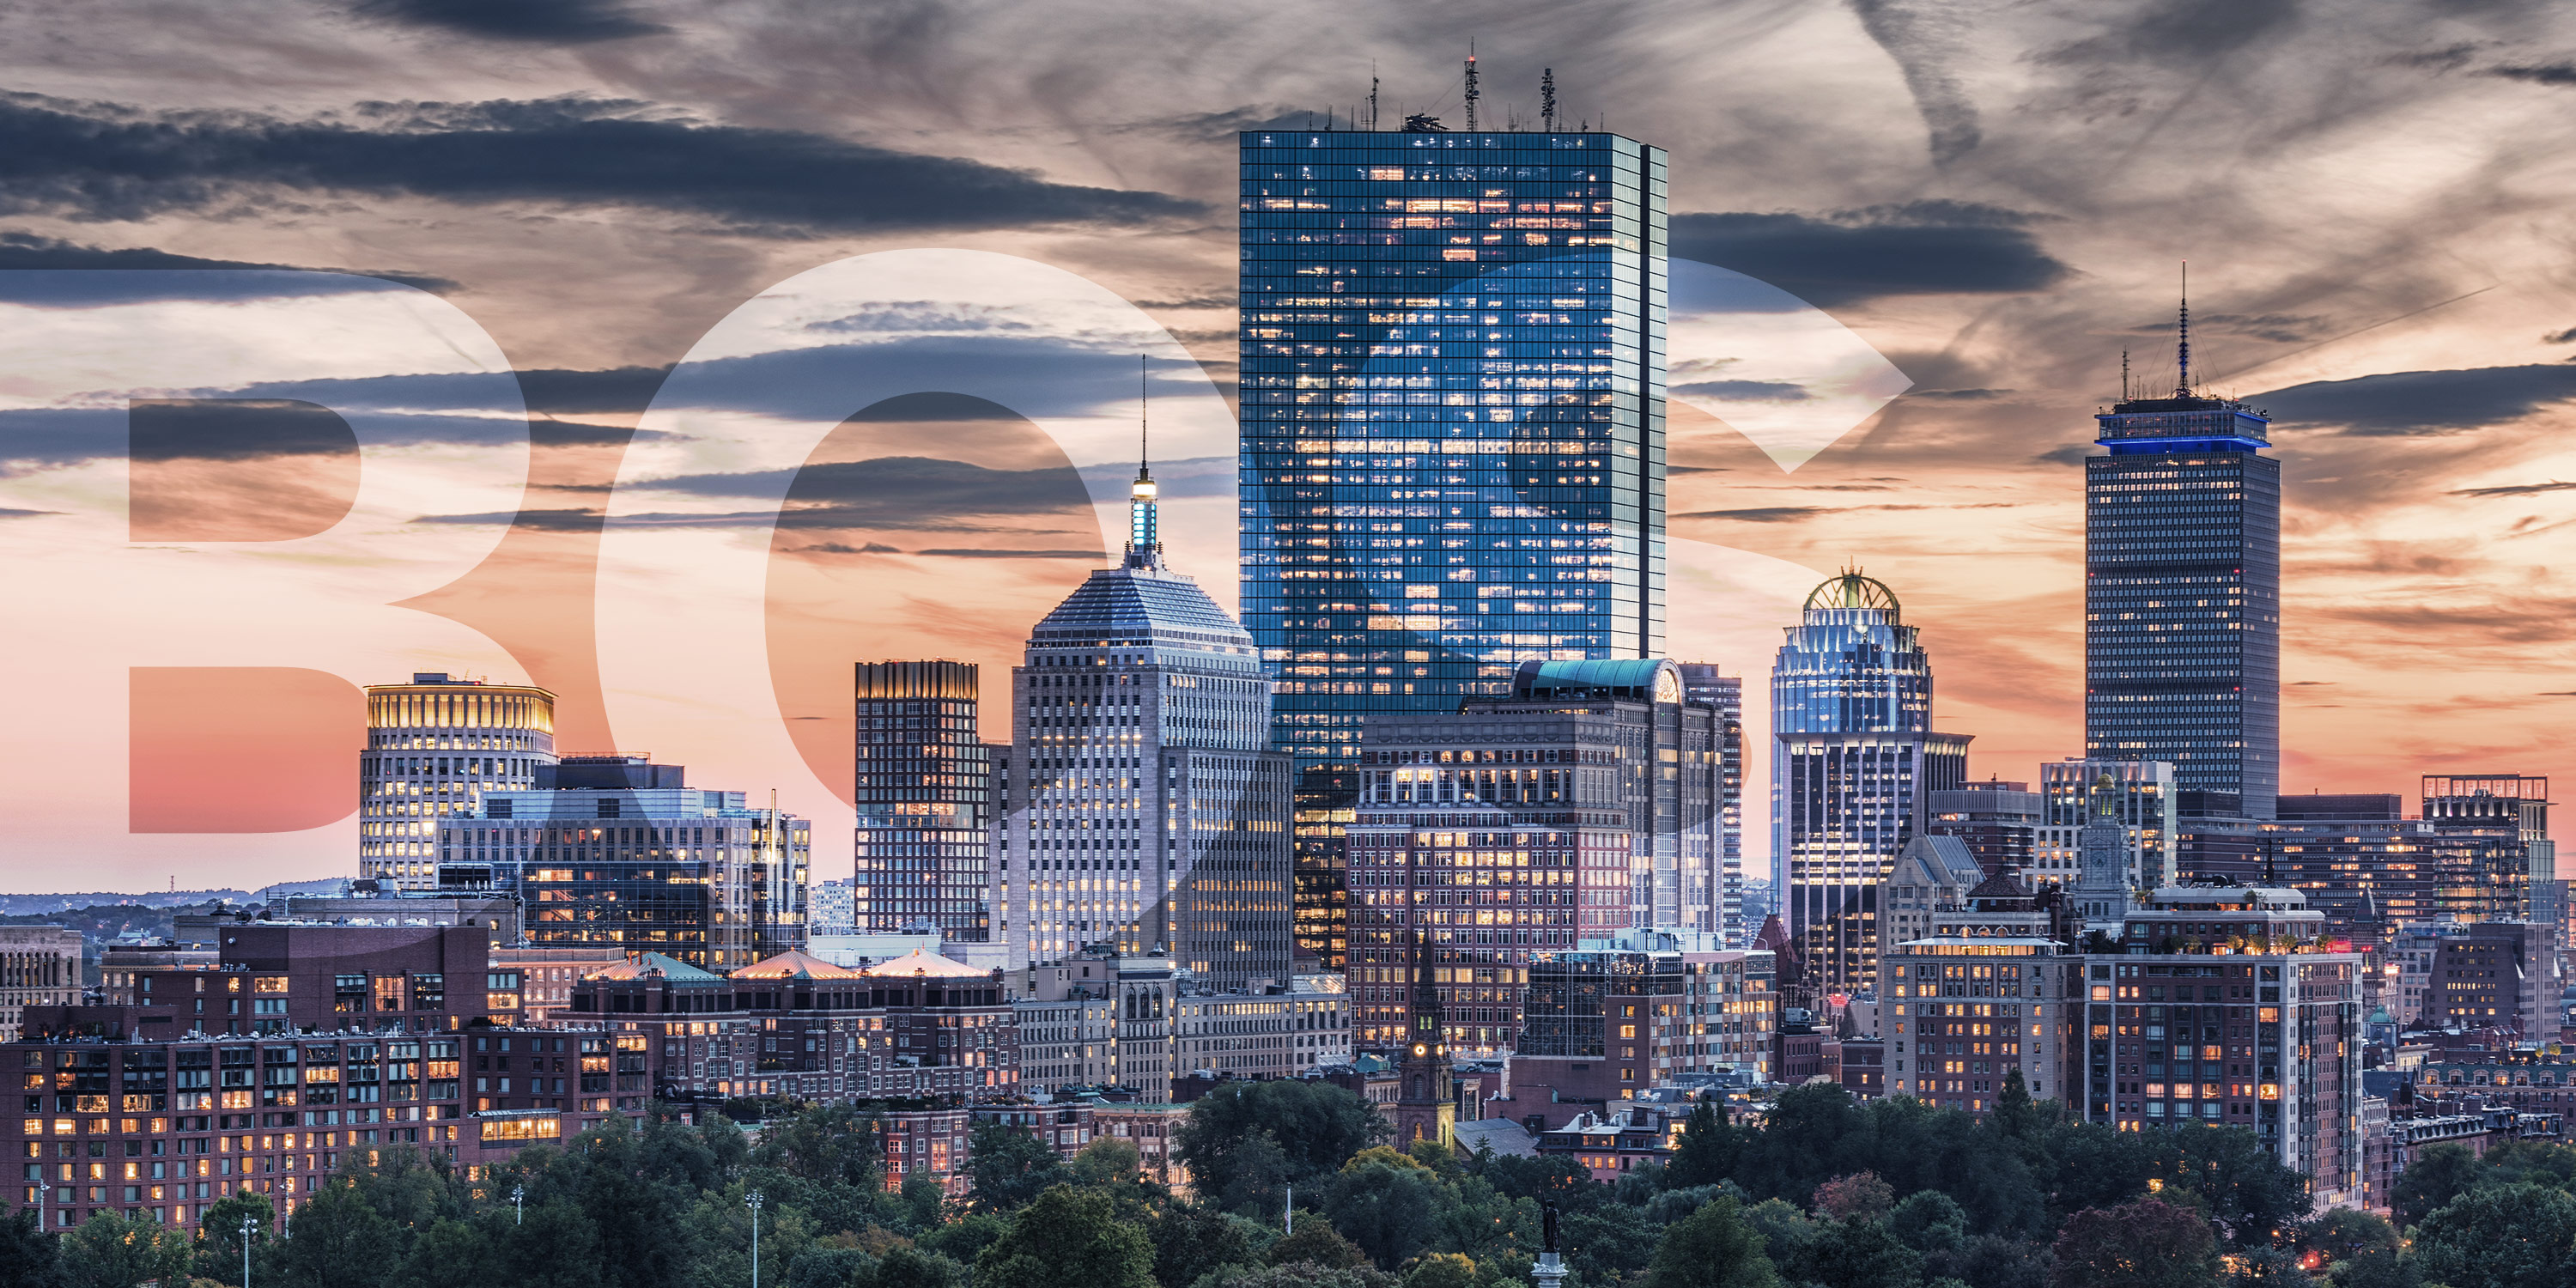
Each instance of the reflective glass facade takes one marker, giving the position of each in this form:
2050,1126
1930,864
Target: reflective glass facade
2182,596
1453,433
1853,764
409,778
923,851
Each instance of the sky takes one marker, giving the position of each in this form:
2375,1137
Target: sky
676,363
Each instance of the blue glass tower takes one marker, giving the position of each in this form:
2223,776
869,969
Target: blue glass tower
2182,596
1853,765
1453,432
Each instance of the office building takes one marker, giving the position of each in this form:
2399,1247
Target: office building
2182,593
2491,812
272,977
1146,809
1853,768
39,966
157,1127
434,747
1999,822
1452,431
925,796
1724,694
1587,801
1607,1023
619,852
2140,796
829,905
797,1026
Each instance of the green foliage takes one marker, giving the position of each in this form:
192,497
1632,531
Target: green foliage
2500,1236
964,1239
1010,1166
1108,1161
1301,1274
28,1257
1316,1242
1713,1247
1610,1245
1785,1230
1386,1210
2340,1234
1441,1160
1706,1152
335,1237
1929,1221
1192,1240
1441,1269
108,1251
1993,1261
1069,1238
2268,1268
1862,1197
1857,1252
2146,1244
1246,1142
219,1238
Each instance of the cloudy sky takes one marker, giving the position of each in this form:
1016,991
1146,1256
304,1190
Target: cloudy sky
902,255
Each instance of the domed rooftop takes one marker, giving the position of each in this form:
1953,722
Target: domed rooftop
1852,590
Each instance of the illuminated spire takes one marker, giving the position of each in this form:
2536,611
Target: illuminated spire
2182,350
1144,522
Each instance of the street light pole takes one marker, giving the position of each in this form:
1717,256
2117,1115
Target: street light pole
44,1188
753,1200
249,1227
519,1200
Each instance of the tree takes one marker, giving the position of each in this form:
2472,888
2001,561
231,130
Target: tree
335,1239
1785,1230
1928,1221
1442,1270
1705,1154
1069,1238
1110,1160
1712,1248
1993,1261
1289,1131
2146,1244
28,1257
913,1268
1610,1244
219,1250
1386,1210
1307,1274
2268,1268
1191,1240
556,1244
1315,1242
1009,1166
1858,1197
1856,1252
2500,1236
826,1144
108,1251
2438,1175
965,1238
2340,1234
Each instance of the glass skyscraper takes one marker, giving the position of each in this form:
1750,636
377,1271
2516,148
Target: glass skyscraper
2182,597
1453,432
923,847
1853,765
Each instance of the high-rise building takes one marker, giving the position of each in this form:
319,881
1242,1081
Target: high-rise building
1146,809
434,747
39,965
1724,694
2508,811
1452,434
923,853
1583,804
1999,822
2182,593
2139,795
618,852
1854,763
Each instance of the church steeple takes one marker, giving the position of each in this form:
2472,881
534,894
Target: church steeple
1144,518
1424,1109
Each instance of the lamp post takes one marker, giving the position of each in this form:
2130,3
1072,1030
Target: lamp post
519,1201
752,1200
249,1227
43,1189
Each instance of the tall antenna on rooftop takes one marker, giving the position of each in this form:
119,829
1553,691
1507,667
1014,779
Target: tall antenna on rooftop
2182,350
1372,93
1471,86
2124,375
1143,450
1547,99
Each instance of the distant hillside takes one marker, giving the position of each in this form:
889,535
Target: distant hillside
101,922
15,906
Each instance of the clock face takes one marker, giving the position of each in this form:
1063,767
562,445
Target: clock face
1420,1049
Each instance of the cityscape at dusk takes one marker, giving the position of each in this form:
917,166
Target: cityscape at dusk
1895,645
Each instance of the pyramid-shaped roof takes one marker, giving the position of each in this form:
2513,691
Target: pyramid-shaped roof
921,963
795,964
1140,607
655,966
2004,884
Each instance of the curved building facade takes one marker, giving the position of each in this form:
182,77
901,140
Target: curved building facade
1853,763
435,746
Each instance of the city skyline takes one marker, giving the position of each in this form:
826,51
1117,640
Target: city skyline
1979,236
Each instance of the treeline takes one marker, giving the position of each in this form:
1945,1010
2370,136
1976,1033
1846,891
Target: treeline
1297,1189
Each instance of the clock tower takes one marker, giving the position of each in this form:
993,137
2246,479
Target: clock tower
1424,1109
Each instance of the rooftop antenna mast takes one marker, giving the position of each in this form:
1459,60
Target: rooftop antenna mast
1471,94
1372,93
2182,351
1143,451
2124,375
1547,99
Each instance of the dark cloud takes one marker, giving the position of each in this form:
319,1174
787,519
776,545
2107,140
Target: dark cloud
2402,403
1190,302
106,161
1925,43
2281,328
2560,337
9,513
555,22
2558,73
1761,514
2182,31
1762,390
1961,395
143,273
844,548
1920,248
1196,476
586,520
2518,489
895,492
234,430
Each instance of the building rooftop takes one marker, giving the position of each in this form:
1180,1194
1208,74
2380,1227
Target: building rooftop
796,964
655,966
924,964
